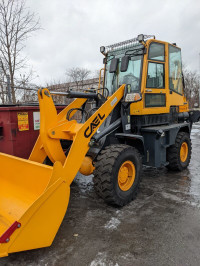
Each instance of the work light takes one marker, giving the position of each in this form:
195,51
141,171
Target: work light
102,49
133,97
140,37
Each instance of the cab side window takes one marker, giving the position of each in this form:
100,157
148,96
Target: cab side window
175,70
156,67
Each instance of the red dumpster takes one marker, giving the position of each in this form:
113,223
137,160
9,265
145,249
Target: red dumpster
19,129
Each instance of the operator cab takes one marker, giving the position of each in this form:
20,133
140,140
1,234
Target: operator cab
151,69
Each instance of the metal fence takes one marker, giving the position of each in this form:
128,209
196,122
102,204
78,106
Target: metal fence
17,94
27,94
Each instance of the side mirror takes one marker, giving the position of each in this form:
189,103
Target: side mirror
113,65
124,63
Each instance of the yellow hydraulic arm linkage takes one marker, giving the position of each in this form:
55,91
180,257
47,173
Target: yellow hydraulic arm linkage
33,196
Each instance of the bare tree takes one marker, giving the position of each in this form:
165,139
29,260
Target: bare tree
58,85
23,86
78,75
16,25
192,82
96,73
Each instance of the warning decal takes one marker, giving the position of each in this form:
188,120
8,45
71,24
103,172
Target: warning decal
36,120
23,121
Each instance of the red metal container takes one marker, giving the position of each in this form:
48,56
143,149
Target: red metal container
19,129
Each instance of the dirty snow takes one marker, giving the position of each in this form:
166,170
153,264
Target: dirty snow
101,260
195,130
112,224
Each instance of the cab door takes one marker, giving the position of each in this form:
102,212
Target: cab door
155,89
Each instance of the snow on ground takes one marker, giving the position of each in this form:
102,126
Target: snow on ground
101,260
112,224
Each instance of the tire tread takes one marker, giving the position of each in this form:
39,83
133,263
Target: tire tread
103,174
173,151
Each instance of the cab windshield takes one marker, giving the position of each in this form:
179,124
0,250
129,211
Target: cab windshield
132,76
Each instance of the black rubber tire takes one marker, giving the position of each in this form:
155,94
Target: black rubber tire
106,174
173,153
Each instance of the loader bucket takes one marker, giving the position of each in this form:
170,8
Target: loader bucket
33,196
33,202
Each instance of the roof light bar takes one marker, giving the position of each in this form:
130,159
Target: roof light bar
128,43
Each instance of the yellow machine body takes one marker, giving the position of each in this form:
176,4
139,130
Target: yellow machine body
33,196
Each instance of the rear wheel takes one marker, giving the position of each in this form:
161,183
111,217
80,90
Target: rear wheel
179,154
117,174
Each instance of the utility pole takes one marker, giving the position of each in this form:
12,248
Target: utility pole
199,83
199,63
9,89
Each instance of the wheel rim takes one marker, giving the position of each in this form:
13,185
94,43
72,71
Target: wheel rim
126,175
184,152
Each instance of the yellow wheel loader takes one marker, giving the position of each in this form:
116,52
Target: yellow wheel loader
139,116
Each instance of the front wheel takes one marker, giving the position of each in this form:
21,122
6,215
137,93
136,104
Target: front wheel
117,174
179,154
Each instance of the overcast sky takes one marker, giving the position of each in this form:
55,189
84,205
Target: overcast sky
73,31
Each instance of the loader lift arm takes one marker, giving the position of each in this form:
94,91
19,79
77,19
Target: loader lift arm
36,196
